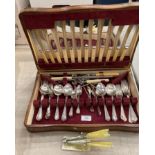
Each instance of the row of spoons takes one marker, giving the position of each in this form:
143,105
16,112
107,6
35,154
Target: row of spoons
117,90
58,89
99,90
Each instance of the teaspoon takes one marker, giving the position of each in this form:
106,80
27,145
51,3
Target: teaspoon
100,91
67,90
58,90
78,93
43,90
89,95
50,93
111,90
120,93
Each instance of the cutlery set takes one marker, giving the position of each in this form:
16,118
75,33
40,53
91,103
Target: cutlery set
99,90
95,95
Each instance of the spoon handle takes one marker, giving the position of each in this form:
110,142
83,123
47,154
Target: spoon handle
40,111
122,114
78,106
48,112
129,115
99,111
91,108
133,117
106,113
114,115
39,114
64,113
78,109
56,116
71,111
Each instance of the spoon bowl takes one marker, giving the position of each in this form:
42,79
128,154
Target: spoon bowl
100,89
44,88
58,89
78,90
125,88
118,90
68,89
110,89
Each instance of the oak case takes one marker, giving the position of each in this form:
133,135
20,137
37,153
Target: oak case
89,51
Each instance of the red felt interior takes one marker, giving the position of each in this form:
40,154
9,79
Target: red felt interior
85,104
84,65
43,19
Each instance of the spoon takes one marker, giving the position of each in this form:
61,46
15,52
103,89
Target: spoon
43,90
67,90
95,95
48,111
78,93
111,91
126,91
73,96
58,90
100,91
120,93
89,95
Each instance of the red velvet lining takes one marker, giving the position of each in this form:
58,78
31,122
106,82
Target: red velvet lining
84,65
119,78
42,19
85,104
76,119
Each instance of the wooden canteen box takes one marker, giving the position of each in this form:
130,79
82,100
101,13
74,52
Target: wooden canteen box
82,45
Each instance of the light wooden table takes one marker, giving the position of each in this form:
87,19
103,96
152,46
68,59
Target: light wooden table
49,143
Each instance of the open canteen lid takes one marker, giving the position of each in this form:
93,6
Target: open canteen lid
82,37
